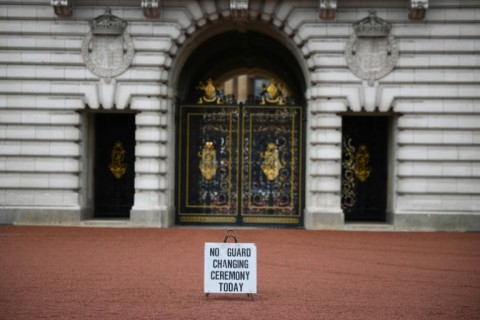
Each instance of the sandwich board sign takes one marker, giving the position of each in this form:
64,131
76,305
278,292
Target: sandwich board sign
230,268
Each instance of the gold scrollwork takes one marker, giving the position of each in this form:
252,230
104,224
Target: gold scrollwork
270,220
211,93
118,167
348,185
208,160
197,219
271,164
362,165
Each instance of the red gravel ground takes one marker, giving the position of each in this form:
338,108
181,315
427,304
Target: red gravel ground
101,273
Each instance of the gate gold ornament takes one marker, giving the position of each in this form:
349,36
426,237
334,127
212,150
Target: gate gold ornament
208,160
118,167
272,94
271,165
212,94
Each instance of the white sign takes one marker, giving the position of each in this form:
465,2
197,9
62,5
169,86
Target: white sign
230,268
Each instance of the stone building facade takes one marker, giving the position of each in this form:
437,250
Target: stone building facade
72,72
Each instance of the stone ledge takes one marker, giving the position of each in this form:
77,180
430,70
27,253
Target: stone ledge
151,218
107,223
458,222
323,220
436,222
34,216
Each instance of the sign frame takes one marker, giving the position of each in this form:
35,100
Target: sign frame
230,267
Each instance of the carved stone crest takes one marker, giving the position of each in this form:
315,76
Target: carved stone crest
371,52
107,49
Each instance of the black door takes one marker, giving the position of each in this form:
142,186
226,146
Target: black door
240,165
114,165
364,168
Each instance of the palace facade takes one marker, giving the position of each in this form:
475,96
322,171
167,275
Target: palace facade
329,114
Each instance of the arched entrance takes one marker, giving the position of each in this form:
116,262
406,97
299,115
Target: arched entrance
240,136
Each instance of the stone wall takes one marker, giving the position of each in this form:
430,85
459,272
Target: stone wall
433,90
433,95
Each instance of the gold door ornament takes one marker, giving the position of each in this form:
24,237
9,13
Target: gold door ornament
118,167
271,165
208,160
362,163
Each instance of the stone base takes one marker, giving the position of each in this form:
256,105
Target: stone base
150,218
436,222
34,216
459,222
65,217
314,220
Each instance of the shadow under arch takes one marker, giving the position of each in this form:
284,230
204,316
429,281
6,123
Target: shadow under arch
248,50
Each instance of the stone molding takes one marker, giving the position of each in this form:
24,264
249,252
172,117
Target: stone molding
151,8
62,8
239,9
418,9
328,9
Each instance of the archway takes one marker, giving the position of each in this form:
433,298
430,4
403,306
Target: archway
247,52
278,196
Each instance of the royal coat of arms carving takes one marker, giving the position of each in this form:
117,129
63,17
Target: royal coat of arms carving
371,52
107,49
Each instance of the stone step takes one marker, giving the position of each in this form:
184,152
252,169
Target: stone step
107,223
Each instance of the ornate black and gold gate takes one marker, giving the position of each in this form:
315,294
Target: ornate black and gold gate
240,165
364,168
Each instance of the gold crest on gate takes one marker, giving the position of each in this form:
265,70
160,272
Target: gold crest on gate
271,162
272,94
212,93
208,160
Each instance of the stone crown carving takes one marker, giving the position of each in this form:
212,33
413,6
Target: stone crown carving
371,52
372,26
107,49
108,24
